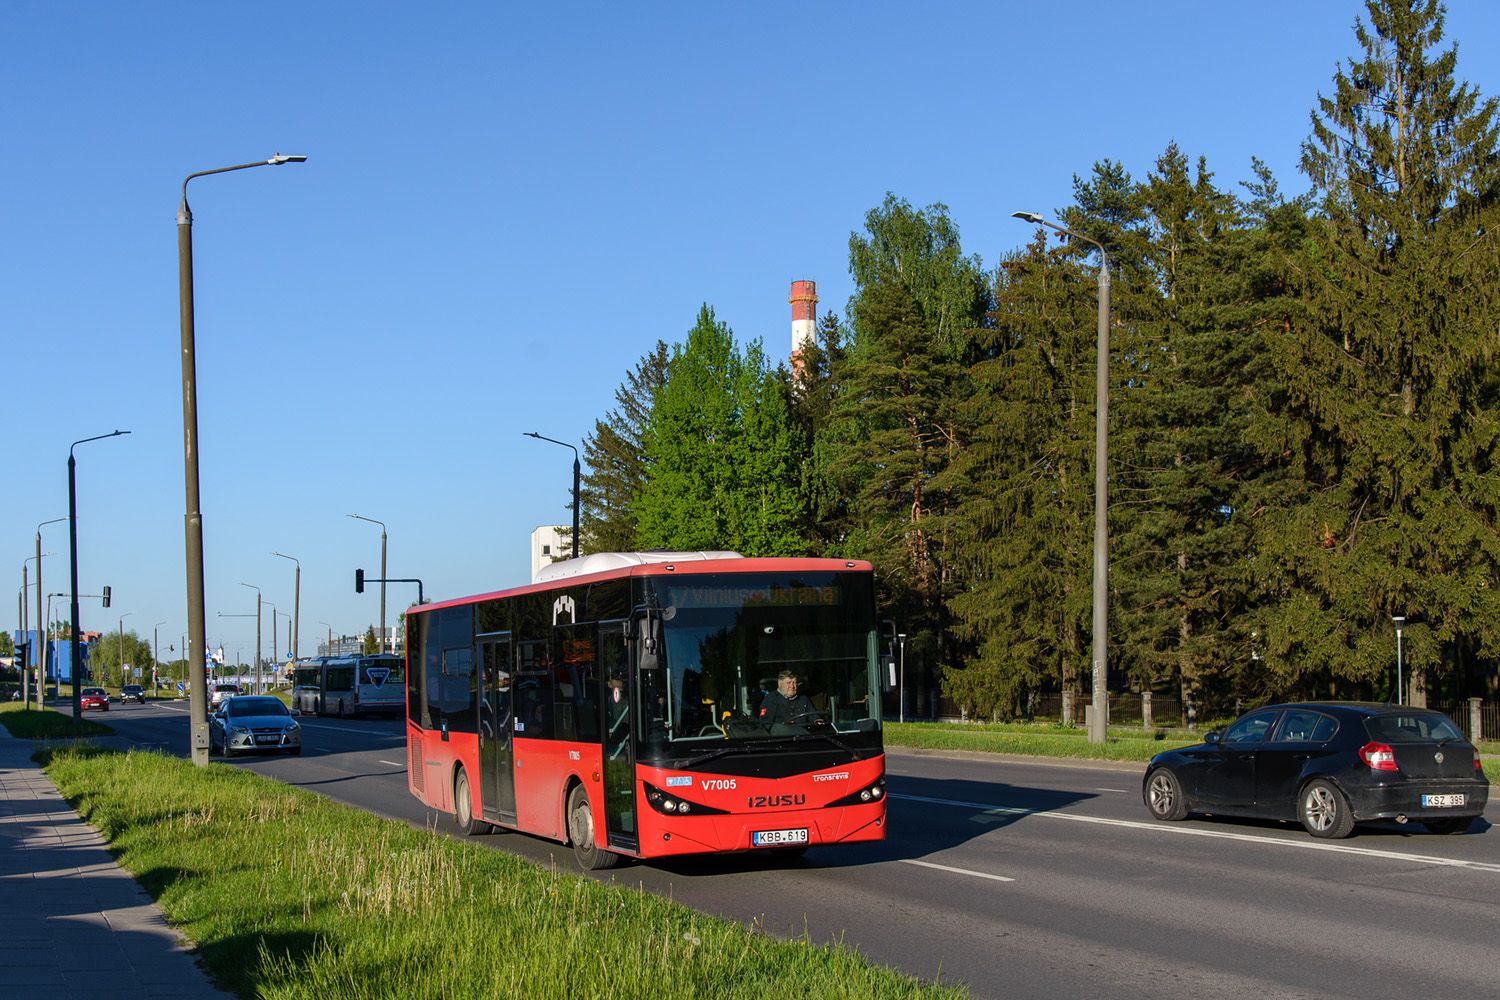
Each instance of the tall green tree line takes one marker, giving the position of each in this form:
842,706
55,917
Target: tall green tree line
1304,413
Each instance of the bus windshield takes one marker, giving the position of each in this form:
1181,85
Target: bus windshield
749,657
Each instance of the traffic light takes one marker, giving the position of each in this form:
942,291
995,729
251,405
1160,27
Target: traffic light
106,597
359,581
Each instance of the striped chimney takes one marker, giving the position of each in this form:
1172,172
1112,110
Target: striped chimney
804,303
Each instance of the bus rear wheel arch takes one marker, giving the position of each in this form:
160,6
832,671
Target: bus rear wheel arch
580,815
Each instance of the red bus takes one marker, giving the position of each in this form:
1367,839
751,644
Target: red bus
623,704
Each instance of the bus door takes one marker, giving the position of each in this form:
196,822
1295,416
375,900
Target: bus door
619,762
497,779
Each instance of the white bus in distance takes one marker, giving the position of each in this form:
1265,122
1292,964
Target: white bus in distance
350,685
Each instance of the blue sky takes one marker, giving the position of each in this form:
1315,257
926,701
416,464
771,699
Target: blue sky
503,208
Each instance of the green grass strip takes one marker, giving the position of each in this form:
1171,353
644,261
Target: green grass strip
46,724
290,895
1132,746
1037,741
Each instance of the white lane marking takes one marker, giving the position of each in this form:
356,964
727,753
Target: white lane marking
392,763
1120,790
956,871
1307,845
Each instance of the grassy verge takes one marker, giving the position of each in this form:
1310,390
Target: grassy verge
1134,746
1036,741
289,895
45,724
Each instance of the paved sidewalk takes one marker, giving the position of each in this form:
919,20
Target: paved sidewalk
73,924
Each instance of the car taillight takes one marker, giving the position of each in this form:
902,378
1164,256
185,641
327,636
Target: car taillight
1378,756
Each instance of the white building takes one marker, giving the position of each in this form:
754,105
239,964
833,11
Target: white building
548,544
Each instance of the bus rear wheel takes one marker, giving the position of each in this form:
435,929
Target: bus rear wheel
591,857
463,808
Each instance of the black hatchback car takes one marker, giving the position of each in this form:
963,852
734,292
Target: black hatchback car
1328,765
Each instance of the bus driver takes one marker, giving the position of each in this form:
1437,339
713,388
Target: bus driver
784,704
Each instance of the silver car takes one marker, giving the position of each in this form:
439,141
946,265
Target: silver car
250,723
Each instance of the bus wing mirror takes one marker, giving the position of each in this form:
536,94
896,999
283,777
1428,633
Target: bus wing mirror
887,672
649,634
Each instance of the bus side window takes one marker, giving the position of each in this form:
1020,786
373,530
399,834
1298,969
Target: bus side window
456,700
533,692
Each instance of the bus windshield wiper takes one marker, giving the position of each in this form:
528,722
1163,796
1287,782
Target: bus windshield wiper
737,748
831,739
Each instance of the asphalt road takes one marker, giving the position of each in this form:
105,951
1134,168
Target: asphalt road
1038,880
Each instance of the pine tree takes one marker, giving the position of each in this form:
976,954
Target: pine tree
1182,535
1025,539
813,394
614,457
721,450
1390,411
896,431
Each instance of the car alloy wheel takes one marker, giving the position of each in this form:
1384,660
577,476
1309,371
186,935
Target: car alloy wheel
1164,795
1325,812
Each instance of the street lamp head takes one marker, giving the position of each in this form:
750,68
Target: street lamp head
277,159
1033,217
75,444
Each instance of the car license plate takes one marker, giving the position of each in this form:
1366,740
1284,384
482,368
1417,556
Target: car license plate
268,739
770,838
1442,801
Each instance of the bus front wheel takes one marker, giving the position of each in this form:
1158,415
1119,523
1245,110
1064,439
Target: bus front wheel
591,857
463,808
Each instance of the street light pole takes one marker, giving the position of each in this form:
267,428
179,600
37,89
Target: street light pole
193,519
74,648
155,660
273,643
297,606
257,631
1400,691
901,699
41,661
122,646
576,496
36,648
328,649
357,517
1100,717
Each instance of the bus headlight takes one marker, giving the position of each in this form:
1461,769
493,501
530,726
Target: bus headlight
873,792
674,805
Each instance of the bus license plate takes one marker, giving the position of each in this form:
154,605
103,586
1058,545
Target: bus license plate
771,838
1440,801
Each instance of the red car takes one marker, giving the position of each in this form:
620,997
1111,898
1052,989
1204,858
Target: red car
94,698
